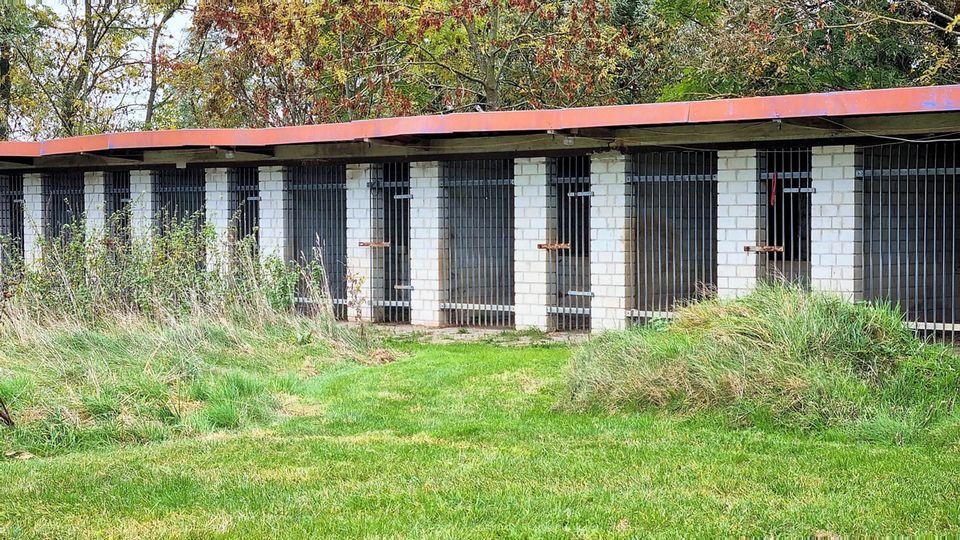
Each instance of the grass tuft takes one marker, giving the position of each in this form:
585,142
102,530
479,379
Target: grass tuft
105,340
778,358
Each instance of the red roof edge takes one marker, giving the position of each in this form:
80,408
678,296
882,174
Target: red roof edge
831,104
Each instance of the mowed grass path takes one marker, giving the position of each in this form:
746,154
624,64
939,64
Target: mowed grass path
464,441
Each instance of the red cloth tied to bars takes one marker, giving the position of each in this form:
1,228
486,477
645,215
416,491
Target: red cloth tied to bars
773,189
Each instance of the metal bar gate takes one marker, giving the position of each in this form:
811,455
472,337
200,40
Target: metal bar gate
477,210
318,223
390,242
244,209
570,255
180,198
11,217
784,189
117,195
63,204
675,224
910,245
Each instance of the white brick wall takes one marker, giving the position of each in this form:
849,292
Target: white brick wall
141,203
534,219
836,213
32,216
274,202
94,202
217,209
609,240
359,220
737,222
426,245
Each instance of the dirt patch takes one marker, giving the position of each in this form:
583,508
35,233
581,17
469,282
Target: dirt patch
379,357
446,335
183,406
295,406
526,381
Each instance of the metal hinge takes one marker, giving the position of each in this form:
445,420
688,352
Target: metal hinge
763,249
375,244
579,293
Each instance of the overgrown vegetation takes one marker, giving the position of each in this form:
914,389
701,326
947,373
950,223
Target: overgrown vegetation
257,63
104,340
458,440
781,358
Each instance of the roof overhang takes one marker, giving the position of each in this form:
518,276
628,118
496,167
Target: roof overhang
862,103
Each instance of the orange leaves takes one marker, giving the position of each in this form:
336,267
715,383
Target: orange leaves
294,61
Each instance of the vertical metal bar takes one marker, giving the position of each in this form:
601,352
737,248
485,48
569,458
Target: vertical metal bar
953,237
658,230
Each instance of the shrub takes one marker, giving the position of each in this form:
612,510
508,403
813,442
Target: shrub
780,357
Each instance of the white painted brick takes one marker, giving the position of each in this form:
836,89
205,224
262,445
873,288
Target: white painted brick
609,237
141,203
32,216
217,209
359,229
94,203
534,224
836,246
737,201
274,201
426,228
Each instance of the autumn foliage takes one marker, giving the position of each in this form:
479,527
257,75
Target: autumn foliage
70,67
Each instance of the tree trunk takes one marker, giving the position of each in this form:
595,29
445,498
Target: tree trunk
154,84
72,102
6,85
491,87
154,71
491,75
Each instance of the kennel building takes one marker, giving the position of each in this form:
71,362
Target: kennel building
571,220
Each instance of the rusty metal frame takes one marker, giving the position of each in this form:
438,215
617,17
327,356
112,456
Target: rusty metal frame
477,208
674,215
570,194
784,189
910,241
62,202
11,213
390,288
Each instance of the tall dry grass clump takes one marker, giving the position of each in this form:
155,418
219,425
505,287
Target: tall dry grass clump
780,357
108,340
178,277
84,278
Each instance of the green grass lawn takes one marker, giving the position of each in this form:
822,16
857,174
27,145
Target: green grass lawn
464,441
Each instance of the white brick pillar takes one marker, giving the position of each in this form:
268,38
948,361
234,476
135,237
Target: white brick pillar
274,203
142,208
94,202
534,224
609,240
32,216
737,222
427,244
836,214
216,191
359,222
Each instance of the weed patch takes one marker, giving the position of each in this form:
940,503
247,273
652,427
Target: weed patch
105,340
778,358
